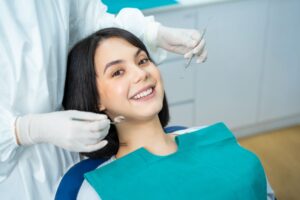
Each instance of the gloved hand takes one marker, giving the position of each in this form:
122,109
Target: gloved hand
182,41
59,129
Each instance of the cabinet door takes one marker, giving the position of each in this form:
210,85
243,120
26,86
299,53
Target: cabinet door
228,83
280,94
178,81
182,115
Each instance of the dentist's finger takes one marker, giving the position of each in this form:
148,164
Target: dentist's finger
199,48
188,55
203,57
194,38
86,116
98,125
95,147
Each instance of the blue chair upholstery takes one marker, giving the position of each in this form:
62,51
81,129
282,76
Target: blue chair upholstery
70,184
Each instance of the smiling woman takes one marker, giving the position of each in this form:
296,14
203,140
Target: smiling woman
127,81
111,72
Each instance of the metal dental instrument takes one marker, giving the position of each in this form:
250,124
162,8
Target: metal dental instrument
191,58
116,120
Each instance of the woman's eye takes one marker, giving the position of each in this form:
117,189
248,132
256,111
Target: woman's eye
143,61
118,73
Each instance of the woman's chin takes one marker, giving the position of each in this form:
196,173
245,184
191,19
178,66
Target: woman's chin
147,116
141,118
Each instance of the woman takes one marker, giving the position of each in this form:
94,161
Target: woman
111,72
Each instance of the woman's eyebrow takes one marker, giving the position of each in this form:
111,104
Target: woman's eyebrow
137,52
111,64
120,61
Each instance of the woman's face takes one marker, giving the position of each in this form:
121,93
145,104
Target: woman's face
129,84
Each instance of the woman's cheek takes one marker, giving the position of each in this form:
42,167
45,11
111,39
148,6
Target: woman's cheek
120,89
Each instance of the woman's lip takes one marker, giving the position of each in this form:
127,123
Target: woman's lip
146,97
142,90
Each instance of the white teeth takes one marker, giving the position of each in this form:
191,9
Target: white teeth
143,94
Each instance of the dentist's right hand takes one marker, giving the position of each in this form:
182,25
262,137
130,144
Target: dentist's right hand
59,128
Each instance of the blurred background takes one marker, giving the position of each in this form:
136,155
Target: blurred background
251,80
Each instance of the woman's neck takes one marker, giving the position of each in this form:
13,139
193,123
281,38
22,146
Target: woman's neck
147,134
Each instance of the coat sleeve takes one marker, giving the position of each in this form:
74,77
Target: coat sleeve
9,150
87,17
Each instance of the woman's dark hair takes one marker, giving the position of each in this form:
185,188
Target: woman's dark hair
81,89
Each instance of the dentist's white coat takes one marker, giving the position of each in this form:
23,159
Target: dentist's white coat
35,37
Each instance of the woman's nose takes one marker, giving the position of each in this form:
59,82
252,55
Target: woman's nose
139,74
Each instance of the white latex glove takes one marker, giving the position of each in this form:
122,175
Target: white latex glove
188,42
59,129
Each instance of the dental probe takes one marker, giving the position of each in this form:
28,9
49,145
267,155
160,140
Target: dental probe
116,120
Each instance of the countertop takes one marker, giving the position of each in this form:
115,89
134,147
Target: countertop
155,6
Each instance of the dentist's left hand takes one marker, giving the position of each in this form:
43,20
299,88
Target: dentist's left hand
60,129
188,42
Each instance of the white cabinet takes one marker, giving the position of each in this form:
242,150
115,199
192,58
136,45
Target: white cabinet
179,82
178,18
182,114
280,92
227,84
180,91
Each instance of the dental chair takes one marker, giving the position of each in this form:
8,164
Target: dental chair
71,182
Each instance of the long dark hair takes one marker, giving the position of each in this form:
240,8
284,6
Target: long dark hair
81,89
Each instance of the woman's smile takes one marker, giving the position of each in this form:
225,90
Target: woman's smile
144,94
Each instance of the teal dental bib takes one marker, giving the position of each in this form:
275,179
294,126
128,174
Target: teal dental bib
209,164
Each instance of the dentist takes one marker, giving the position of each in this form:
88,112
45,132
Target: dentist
38,140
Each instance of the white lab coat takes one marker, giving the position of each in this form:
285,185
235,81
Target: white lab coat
35,37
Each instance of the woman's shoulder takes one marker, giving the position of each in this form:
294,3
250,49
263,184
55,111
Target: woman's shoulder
111,159
86,191
218,128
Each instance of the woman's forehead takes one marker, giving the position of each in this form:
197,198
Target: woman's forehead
115,44
114,49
